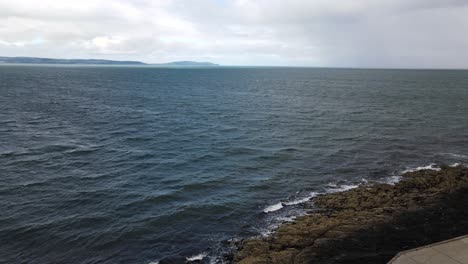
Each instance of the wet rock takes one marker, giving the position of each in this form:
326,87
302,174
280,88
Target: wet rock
371,223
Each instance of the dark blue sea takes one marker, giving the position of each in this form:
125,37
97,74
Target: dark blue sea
134,164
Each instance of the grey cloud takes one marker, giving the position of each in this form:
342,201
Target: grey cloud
358,33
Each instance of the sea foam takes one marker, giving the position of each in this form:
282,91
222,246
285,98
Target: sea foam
431,166
280,205
197,257
334,188
273,207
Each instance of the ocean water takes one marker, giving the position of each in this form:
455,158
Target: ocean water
133,164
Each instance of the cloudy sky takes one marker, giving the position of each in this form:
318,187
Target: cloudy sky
344,33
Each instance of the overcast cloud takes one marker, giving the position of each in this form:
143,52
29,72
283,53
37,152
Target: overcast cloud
345,33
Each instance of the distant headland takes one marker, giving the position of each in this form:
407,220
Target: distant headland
188,63
34,60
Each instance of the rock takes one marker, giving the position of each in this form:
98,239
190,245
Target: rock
370,224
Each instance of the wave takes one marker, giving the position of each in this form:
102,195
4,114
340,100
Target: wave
461,156
302,200
12,153
282,204
431,166
200,256
334,188
273,208
197,258
392,180
82,150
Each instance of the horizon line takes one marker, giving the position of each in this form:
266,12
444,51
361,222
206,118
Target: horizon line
143,64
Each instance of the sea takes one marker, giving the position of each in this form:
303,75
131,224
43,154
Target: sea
114,164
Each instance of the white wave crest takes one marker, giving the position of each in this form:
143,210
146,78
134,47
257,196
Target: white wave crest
280,205
392,180
197,257
334,188
302,200
189,259
286,218
274,207
431,166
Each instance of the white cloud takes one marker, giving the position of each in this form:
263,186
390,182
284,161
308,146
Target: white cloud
105,41
358,33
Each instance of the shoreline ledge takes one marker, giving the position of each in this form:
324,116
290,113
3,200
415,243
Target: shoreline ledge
371,223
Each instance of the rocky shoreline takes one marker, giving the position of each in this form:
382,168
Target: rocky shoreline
371,223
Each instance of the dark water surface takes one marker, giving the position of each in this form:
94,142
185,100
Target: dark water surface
131,164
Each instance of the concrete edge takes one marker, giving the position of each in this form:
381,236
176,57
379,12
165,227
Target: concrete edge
399,254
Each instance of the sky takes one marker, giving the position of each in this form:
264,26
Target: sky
317,33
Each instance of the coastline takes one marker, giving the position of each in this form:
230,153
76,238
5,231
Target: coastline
370,223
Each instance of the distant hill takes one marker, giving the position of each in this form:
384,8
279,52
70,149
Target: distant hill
188,63
34,60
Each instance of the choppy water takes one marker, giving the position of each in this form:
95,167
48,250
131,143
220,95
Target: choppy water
131,164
